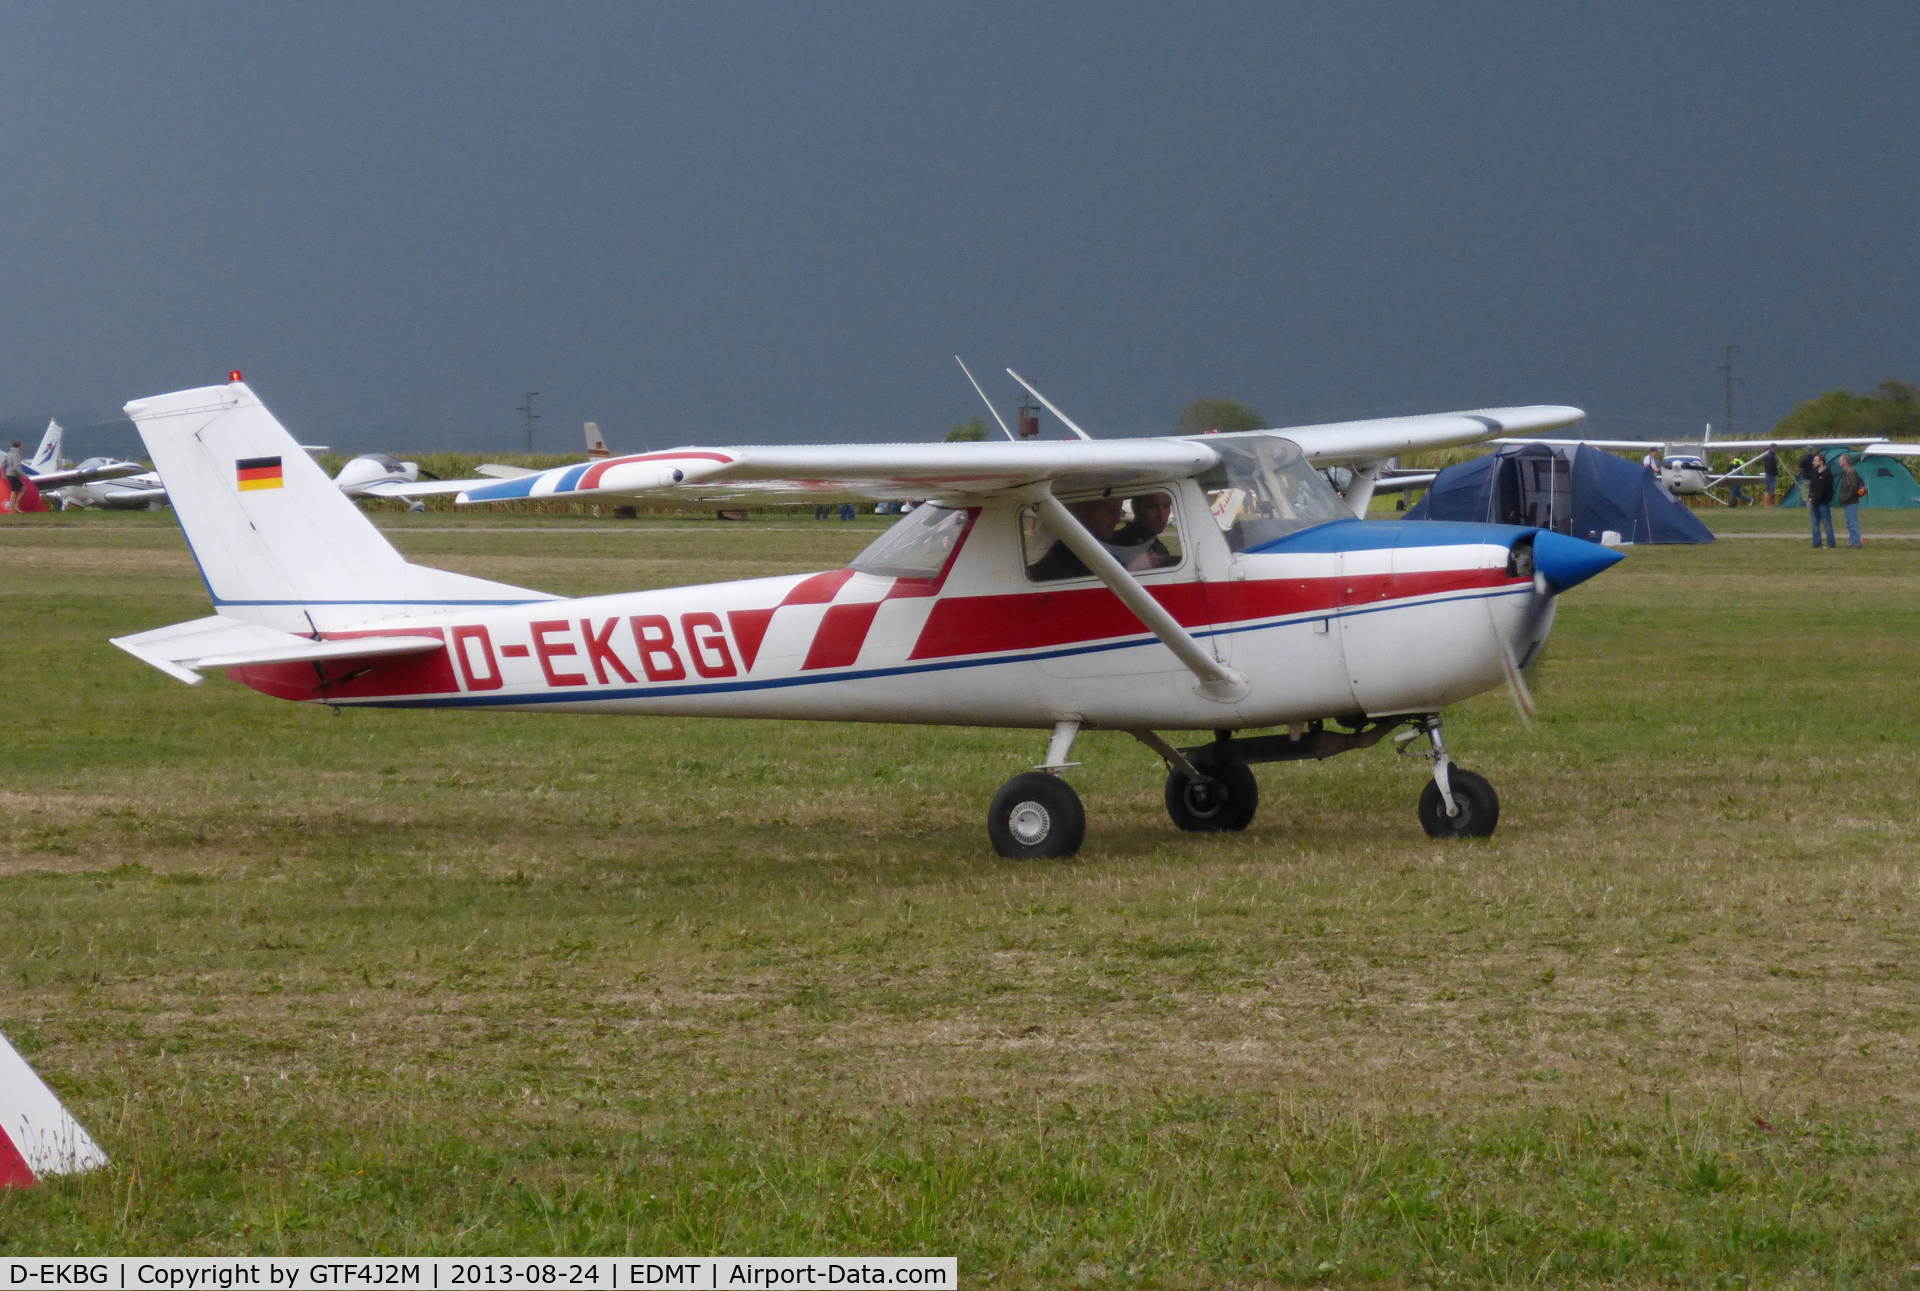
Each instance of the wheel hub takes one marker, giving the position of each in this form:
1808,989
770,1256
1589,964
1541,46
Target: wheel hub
1029,823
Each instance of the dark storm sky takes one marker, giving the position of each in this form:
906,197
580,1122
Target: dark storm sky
768,222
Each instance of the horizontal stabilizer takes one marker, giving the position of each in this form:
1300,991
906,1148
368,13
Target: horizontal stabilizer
216,641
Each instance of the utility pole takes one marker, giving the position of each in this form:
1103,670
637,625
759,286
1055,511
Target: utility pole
1726,371
532,416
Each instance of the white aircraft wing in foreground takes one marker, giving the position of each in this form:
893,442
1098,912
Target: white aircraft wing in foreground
1208,584
698,476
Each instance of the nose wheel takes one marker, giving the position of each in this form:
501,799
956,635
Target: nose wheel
1457,803
1224,797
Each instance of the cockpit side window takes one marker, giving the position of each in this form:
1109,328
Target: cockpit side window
1141,531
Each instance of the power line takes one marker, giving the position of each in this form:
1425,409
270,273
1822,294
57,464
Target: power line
532,416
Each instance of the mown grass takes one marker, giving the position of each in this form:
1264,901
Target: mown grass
452,983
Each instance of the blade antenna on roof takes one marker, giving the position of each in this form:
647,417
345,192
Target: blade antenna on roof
983,399
1065,420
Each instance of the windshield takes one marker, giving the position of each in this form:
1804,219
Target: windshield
918,545
1264,489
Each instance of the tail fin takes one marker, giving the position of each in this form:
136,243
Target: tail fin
596,442
47,456
277,543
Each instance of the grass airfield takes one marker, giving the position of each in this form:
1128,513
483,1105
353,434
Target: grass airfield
464,983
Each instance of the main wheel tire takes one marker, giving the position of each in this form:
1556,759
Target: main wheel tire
1479,807
1226,800
1036,815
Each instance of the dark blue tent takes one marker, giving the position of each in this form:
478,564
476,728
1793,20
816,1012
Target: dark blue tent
1571,489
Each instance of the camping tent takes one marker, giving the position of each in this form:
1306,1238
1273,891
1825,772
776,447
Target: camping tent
1889,482
1572,489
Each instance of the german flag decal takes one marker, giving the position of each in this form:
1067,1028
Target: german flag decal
257,473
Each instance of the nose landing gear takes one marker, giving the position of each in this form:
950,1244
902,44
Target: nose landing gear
1457,803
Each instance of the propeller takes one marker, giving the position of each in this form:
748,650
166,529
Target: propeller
1557,563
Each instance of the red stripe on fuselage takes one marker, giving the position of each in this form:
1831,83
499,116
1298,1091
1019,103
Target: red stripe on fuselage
817,589
963,625
842,631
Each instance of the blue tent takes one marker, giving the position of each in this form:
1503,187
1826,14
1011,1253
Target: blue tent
1570,489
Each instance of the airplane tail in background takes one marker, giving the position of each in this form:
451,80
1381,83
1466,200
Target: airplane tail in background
596,442
47,456
277,543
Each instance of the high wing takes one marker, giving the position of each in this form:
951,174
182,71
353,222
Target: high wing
1761,445
1634,445
87,475
701,476
1345,442
1716,445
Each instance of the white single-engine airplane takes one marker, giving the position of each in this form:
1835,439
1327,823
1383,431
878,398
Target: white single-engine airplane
995,604
97,476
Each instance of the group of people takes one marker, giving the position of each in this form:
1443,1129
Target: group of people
1824,490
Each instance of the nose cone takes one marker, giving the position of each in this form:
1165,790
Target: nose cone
1567,562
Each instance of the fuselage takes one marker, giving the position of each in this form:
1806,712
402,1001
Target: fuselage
1334,619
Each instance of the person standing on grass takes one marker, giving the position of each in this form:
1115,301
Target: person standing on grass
1820,499
1770,468
10,467
1848,491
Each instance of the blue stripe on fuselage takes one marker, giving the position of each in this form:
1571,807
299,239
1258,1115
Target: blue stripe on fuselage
1376,535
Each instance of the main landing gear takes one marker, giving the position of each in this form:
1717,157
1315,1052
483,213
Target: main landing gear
1037,814
1211,787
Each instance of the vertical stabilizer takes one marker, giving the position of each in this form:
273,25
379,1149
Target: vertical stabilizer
277,543
47,456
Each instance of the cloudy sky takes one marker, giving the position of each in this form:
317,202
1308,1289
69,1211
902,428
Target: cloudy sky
725,222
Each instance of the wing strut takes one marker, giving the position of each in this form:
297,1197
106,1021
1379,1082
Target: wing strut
1065,420
1359,494
983,399
1217,681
